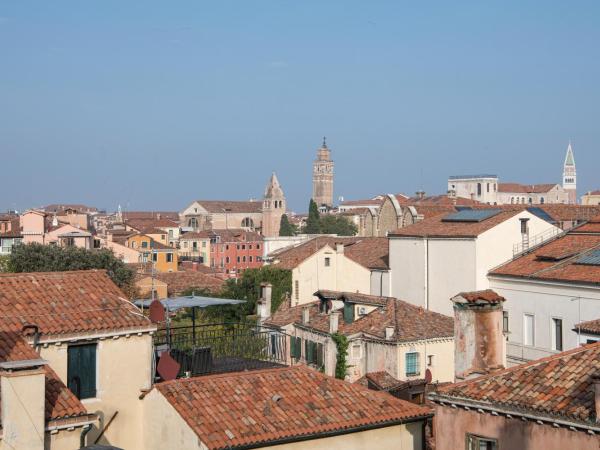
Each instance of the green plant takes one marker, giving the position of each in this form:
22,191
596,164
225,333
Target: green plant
286,228
340,225
341,366
313,223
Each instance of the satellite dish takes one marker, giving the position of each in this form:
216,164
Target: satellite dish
428,376
167,368
157,312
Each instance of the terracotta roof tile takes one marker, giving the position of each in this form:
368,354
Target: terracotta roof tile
258,407
409,322
66,302
177,282
217,206
557,386
133,215
590,326
526,188
488,296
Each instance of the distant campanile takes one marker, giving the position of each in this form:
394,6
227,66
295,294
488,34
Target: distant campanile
570,176
323,177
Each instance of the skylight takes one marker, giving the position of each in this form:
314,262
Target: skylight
472,215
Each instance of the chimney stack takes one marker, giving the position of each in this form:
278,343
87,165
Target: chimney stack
389,333
596,388
23,402
334,320
264,302
420,194
479,344
305,315
339,248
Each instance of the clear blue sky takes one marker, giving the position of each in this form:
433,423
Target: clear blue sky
154,104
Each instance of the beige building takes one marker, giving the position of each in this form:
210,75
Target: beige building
322,192
195,246
81,332
291,408
591,198
335,263
384,335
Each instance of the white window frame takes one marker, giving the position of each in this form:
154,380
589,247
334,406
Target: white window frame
525,330
553,333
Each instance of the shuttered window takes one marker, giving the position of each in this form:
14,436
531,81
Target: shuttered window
296,347
348,312
412,364
81,370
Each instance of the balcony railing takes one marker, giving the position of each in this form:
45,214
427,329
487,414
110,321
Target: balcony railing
226,347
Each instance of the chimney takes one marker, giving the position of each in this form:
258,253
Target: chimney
339,248
264,302
23,401
334,320
479,344
305,315
389,333
596,387
420,194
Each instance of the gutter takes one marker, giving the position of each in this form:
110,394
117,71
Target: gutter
325,434
511,413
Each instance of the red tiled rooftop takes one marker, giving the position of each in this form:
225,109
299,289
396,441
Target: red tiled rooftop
251,408
66,302
557,386
526,188
231,206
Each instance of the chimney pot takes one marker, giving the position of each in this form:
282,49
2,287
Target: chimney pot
305,315
334,320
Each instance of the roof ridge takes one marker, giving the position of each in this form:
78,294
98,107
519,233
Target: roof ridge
563,262
54,272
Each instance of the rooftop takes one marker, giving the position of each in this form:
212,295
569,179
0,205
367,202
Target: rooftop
559,386
229,411
471,177
229,235
61,303
526,188
218,206
178,282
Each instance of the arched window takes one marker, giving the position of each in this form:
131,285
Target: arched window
247,223
542,200
512,200
478,189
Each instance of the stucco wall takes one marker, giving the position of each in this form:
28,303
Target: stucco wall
407,263
343,274
545,300
64,440
123,370
381,283
452,425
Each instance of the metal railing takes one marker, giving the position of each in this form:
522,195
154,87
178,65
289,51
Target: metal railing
226,347
534,241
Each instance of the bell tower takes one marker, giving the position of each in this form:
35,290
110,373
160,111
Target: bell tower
322,192
273,207
570,176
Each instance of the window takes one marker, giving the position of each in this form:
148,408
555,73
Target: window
238,259
227,260
250,258
203,244
348,312
313,353
481,443
296,347
81,370
144,244
488,187
557,335
412,364
154,256
170,234
237,246
195,245
227,247
356,351
524,227
528,329
243,246
169,257
505,321
430,360
296,290
327,262
185,244
244,258
542,200
478,189
257,246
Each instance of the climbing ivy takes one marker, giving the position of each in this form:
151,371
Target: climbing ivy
341,366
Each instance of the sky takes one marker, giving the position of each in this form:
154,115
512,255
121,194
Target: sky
153,104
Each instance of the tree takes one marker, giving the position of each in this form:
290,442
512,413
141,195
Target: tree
340,225
248,288
313,225
285,227
50,258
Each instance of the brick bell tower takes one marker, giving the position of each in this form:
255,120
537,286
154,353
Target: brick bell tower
570,176
273,207
322,192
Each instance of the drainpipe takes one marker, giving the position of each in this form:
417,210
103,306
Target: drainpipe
426,273
84,433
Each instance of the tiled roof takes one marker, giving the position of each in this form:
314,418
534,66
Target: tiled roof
228,411
591,327
383,380
60,401
487,296
557,260
441,200
15,229
66,303
352,297
372,253
365,202
56,208
596,192
557,386
436,227
409,322
145,225
355,211
177,282
134,215
191,235
525,188
217,206
429,211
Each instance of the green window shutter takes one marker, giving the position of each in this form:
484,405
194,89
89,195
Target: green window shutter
293,345
348,312
320,355
298,347
81,370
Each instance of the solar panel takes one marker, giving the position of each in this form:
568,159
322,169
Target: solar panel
472,215
541,214
462,208
590,259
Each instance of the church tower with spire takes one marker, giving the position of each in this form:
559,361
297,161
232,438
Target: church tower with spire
570,176
322,192
273,207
